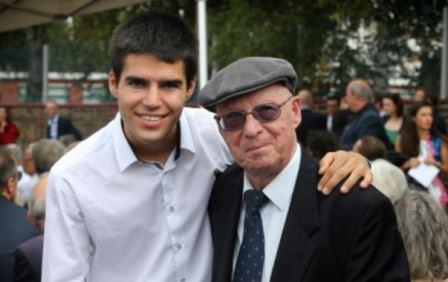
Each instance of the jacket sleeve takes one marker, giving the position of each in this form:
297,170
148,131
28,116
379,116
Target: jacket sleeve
377,252
23,271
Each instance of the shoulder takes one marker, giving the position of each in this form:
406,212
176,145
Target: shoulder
355,203
90,147
33,244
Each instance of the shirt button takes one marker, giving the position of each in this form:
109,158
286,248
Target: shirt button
183,280
171,209
178,246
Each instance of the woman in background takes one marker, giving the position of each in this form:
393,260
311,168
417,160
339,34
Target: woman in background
393,120
421,142
8,130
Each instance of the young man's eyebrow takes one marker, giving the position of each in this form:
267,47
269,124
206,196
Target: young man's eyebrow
172,82
135,79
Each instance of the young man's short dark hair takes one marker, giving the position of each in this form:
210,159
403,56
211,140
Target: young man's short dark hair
164,36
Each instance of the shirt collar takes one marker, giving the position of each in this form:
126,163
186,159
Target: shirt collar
124,153
53,120
280,189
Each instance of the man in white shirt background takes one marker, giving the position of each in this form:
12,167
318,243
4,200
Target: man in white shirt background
130,202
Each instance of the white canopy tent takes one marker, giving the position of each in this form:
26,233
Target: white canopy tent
16,14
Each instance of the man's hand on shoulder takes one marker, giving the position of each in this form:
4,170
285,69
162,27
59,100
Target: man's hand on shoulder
336,166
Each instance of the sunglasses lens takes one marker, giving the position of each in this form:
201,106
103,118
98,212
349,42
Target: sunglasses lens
233,121
267,113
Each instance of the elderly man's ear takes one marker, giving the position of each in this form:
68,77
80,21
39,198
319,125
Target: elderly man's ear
296,109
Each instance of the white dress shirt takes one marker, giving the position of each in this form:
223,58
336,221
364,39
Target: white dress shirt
53,123
113,218
273,214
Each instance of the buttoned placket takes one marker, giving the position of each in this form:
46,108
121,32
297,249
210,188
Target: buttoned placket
172,214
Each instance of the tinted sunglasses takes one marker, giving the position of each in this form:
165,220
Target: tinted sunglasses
263,113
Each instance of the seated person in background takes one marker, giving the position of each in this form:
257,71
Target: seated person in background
28,256
321,142
8,130
311,120
393,119
57,125
424,228
268,222
14,225
426,93
359,97
387,178
421,142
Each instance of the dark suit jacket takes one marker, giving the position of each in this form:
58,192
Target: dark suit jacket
65,127
339,237
28,260
16,229
310,121
365,122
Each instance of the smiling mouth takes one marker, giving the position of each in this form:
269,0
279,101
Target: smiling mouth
153,118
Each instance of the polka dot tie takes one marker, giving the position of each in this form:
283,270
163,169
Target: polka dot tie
250,260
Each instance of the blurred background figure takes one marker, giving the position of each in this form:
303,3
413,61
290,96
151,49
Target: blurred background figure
311,120
321,142
8,130
28,256
57,125
332,103
426,93
393,119
424,228
45,153
29,176
359,97
421,142
387,177
13,221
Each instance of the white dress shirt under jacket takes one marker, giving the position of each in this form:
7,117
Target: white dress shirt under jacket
53,123
113,218
273,214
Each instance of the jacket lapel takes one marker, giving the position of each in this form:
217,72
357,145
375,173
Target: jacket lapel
296,247
224,210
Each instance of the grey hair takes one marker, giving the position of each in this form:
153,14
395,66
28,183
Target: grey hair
362,90
46,153
423,225
15,151
389,179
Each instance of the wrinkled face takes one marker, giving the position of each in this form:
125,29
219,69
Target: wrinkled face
51,109
2,114
423,118
389,107
263,148
151,94
332,106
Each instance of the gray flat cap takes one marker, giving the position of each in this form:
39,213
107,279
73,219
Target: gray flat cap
244,76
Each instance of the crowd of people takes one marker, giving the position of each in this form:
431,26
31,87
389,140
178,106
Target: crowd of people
167,193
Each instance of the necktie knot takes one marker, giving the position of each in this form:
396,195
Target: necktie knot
254,199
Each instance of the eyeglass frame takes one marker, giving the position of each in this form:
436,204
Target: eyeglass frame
254,113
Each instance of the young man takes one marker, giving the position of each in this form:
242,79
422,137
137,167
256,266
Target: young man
267,221
130,202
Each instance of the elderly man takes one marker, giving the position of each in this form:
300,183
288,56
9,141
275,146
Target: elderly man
46,153
268,221
58,126
367,121
15,227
